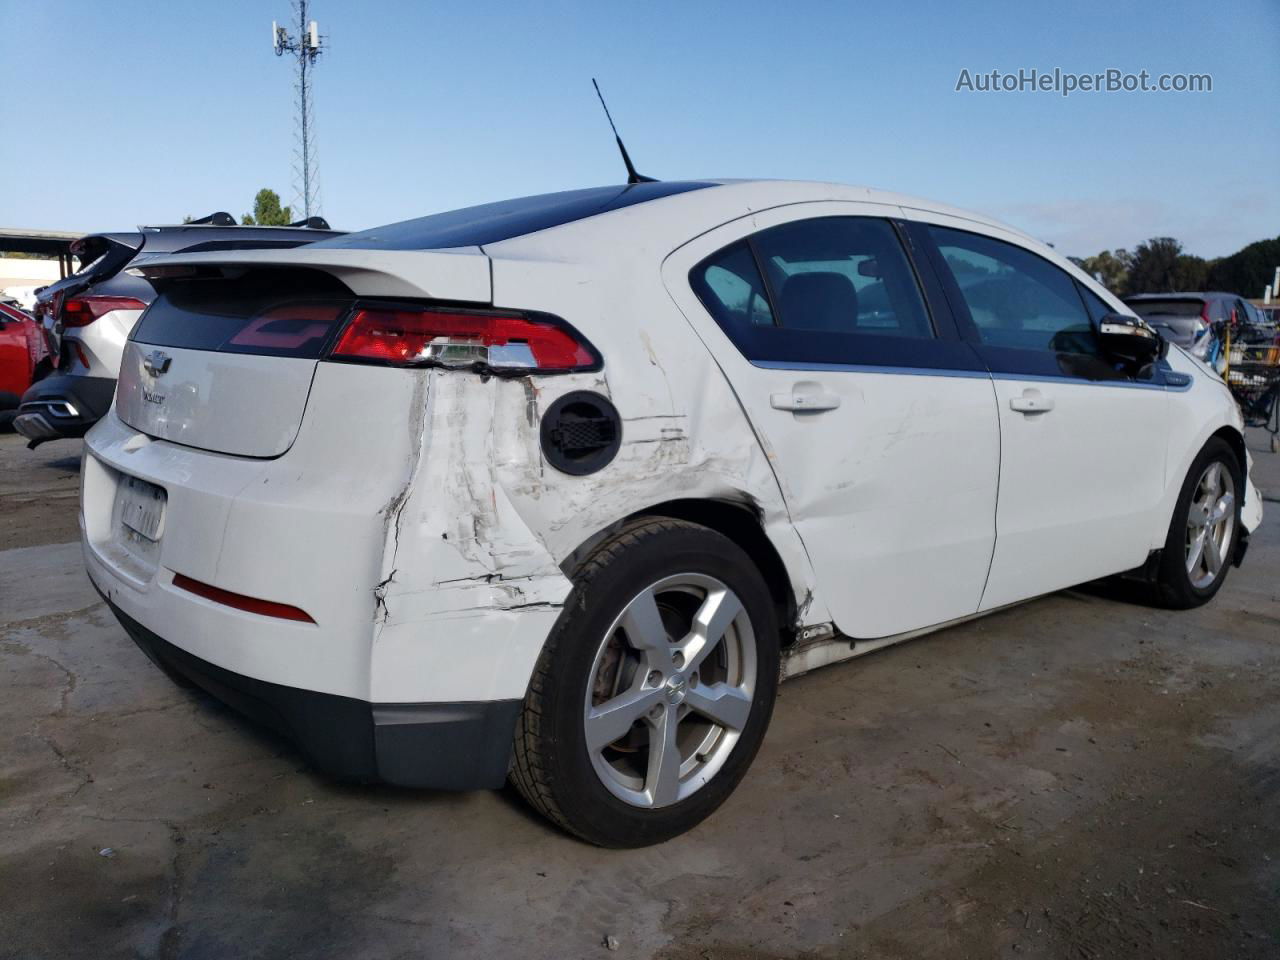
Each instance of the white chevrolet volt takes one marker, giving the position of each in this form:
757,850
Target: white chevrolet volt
560,488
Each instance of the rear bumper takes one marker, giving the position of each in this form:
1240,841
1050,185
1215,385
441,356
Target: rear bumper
441,746
63,406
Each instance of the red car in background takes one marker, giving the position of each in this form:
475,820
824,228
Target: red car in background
24,357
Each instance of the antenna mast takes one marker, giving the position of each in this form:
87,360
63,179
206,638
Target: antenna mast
632,175
306,48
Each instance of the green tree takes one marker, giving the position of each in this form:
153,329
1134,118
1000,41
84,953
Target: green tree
1112,266
267,211
1190,272
1155,267
1247,270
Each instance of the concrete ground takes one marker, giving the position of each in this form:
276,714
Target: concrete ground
1082,777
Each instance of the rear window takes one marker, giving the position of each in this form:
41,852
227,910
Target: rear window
1166,308
279,313
492,222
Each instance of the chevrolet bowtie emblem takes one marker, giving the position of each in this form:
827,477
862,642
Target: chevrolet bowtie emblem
156,362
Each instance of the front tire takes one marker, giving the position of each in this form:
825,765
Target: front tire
1204,529
655,688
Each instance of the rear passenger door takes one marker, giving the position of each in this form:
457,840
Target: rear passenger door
880,423
1082,439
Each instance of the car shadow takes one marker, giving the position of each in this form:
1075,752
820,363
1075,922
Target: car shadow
64,464
1136,593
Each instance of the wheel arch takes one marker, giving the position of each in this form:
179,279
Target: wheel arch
738,522
1235,440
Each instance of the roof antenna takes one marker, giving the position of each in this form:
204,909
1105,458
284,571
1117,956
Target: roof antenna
632,176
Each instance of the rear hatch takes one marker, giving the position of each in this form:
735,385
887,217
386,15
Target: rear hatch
224,357
102,256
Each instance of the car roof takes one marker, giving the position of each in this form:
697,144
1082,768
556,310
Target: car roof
670,221
671,207
787,191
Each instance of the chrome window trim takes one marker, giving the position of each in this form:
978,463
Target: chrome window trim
1181,381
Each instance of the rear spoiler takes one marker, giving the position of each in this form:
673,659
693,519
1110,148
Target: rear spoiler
458,273
107,253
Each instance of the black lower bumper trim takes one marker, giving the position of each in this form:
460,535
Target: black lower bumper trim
45,412
440,746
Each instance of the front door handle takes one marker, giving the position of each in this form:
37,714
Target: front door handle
804,398
1031,402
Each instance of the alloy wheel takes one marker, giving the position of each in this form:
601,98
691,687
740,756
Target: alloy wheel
672,687
1211,521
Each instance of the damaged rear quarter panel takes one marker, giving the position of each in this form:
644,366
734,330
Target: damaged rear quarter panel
473,579
683,434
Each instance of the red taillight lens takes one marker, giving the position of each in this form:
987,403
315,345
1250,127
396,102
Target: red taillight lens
404,337
265,608
82,311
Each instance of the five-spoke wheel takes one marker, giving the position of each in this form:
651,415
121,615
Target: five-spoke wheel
1211,521
1205,526
654,689
671,691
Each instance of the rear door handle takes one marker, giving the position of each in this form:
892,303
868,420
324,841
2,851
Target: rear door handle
1031,402
804,401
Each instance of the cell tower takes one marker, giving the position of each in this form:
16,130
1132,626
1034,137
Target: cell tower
306,47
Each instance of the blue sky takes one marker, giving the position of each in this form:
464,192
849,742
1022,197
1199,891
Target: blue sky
130,112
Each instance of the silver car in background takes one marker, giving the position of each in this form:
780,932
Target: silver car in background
1187,318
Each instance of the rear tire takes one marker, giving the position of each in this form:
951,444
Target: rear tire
1204,530
655,687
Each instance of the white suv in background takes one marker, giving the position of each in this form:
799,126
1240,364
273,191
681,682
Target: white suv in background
90,313
560,487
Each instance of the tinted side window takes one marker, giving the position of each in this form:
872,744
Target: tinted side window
730,287
830,291
1016,299
842,275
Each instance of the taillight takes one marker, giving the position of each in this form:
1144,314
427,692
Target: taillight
82,311
502,342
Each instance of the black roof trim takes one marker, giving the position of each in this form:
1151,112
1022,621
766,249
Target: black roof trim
494,222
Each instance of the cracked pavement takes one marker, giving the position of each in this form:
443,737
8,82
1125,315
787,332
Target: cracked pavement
1080,776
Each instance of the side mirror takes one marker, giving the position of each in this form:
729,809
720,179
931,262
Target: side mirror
1128,338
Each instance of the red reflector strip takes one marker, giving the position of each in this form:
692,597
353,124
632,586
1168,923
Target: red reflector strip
265,608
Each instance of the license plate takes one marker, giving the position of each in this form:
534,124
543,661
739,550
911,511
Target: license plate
142,507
